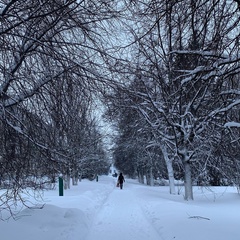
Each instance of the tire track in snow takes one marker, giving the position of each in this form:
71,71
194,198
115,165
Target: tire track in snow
121,217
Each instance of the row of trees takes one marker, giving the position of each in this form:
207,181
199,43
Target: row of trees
51,66
168,70
180,93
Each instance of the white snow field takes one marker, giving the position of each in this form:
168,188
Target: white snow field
99,210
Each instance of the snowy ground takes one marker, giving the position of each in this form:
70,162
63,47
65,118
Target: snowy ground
99,210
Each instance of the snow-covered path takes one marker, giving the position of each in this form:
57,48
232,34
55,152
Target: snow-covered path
99,210
121,217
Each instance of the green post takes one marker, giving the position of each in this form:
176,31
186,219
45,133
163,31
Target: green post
60,186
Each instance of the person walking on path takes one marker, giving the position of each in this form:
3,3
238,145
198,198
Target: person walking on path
121,180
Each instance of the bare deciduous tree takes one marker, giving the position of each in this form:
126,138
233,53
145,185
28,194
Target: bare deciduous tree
47,48
186,55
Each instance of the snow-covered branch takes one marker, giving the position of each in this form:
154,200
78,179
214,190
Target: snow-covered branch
232,124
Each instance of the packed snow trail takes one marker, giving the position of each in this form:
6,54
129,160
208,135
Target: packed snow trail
100,211
121,218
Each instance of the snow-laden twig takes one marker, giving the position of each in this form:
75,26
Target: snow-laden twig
199,217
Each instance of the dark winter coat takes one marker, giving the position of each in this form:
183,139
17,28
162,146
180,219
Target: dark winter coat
121,179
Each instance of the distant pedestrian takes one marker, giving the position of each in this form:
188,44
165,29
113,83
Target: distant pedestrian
121,180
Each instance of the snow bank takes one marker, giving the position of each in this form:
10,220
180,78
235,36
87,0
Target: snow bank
94,210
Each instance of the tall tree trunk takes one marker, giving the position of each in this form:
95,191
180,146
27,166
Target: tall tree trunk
151,183
169,170
188,181
140,175
67,180
74,177
171,177
149,176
